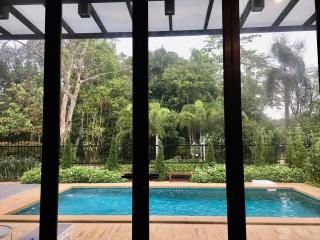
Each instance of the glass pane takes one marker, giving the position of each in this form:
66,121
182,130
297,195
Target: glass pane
78,24
189,14
21,93
158,21
34,13
186,130
115,16
96,137
14,26
266,18
299,14
280,106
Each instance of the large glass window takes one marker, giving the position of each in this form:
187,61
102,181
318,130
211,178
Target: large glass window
186,124
21,93
280,95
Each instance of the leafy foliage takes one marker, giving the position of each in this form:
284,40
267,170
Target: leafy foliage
276,173
159,165
296,155
12,168
68,155
76,174
314,160
113,158
210,155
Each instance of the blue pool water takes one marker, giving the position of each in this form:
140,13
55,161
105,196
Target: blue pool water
183,202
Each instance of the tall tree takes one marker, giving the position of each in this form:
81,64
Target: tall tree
83,61
286,75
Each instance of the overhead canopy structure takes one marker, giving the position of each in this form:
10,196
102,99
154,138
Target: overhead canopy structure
113,18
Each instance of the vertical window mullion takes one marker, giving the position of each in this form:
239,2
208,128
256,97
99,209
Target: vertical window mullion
51,128
140,184
233,121
317,9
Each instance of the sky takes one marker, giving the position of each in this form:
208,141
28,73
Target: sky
183,45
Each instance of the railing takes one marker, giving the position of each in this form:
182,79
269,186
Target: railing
94,154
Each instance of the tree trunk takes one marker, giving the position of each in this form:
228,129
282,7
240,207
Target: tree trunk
286,106
64,104
63,112
80,130
157,145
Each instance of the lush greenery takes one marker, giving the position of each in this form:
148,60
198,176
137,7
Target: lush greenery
68,155
186,106
76,174
11,167
276,173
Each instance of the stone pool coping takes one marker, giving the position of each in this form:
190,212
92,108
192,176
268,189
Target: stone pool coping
27,198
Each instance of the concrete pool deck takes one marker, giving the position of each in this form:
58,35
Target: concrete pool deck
26,198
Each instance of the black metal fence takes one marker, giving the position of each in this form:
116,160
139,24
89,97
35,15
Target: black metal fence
94,154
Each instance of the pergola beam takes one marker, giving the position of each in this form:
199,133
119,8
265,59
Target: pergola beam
164,33
209,10
285,12
67,27
32,2
25,21
310,20
245,14
170,23
97,19
129,7
4,32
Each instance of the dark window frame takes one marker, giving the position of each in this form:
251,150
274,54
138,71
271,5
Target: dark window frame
233,121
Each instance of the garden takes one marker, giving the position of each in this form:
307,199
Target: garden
186,117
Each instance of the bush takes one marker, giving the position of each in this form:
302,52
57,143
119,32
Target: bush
159,166
12,168
276,173
68,155
210,153
113,158
209,174
296,153
31,176
314,161
181,167
261,150
76,174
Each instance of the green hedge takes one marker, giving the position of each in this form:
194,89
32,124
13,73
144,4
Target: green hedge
170,167
276,173
77,174
202,174
12,168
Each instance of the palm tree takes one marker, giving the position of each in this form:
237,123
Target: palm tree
286,75
159,120
200,121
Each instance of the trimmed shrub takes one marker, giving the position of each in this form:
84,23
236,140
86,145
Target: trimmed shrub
12,168
182,167
296,154
210,153
80,174
113,158
159,166
31,176
76,174
209,174
276,173
68,155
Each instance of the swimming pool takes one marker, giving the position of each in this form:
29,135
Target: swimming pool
183,202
